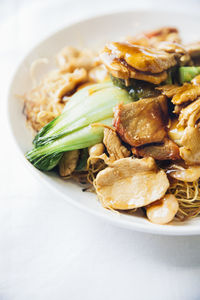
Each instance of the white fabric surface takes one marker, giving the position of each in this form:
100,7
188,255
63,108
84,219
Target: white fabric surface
50,250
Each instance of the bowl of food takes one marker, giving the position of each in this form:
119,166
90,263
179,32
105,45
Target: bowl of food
106,112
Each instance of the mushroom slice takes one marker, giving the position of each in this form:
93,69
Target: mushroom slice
164,210
183,173
130,183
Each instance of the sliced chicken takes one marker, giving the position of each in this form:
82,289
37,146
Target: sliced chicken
125,60
70,58
193,49
180,53
164,210
114,146
184,173
168,150
170,34
182,94
142,122
130,183
190,150
190,114
68,163
95,151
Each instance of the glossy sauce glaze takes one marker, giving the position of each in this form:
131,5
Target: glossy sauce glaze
138,57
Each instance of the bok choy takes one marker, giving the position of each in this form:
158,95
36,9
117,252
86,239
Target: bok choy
74,128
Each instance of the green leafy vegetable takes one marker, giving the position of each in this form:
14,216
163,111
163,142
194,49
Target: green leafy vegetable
72,129
186,74
137,89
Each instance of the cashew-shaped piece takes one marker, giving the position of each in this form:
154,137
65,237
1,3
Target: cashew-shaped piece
96,150
164,210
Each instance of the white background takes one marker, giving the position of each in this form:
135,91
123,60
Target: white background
50,250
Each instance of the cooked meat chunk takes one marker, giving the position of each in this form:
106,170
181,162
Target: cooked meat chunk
182,94
193,49
142,122
153,38
165,151
68,163
70,58
180,53
98,74
130,183
95,151
125,60
114,146
164,210
190,150
179,107
175,132
169,34
184,173
190,114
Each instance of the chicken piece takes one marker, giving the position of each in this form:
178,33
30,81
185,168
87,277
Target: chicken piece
153,38
125,60
168,150
182,94
184,173
142,122
68,163
180,53
190,150
94,151
98,74
193,49
130,183
169,34
190,114
175,132
164,210
114,146
59,84
70,58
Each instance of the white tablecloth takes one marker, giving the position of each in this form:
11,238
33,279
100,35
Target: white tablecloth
50,250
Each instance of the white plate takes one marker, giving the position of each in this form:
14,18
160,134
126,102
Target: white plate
94,33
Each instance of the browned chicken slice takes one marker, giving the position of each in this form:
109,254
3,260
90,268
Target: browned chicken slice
168,150
193,49
130,183
183,172
182,94
190,150
190,114
114,146
142,122
180,53
125,60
